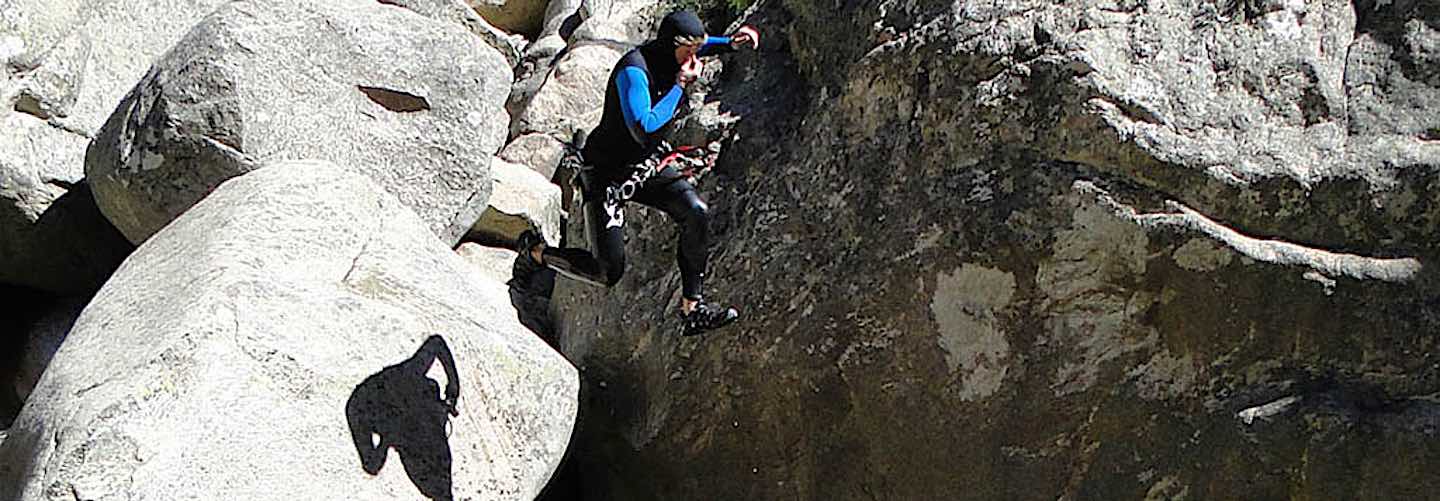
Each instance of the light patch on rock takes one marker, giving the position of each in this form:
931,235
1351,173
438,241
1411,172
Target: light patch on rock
520,199
540,152
1168,489
1249,415
629,22
926,241
1226,174
556,13
458,12
965,305
1090,308
10,47
150,160
1326,282
1202,255
1284,23
492,262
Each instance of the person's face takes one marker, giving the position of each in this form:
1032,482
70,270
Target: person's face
685,52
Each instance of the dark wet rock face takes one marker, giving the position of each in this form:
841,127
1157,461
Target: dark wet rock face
1038,250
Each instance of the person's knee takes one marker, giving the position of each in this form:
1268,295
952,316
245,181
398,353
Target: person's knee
613,270
613,275
697,214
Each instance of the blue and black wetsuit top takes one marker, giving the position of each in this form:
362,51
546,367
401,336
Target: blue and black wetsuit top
642,96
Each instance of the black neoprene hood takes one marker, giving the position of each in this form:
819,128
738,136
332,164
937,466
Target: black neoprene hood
681,23
660,52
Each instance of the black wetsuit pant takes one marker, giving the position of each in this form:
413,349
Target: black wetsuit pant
605,220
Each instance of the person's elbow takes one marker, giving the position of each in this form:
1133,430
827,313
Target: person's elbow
651,124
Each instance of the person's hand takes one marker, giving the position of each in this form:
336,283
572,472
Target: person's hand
689,71
745,35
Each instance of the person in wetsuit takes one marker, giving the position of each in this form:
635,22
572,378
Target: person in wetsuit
622,157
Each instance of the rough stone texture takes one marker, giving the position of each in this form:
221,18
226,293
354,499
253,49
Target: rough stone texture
43,340
540,152
1014,249
560,82
1393,85
572,95
521,199
413,103
561,17
530,288
64,65
493,262
530,75
704,120
235,352
525,17
76,60
458,12
626,22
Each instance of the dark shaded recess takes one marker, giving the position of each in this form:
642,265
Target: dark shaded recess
75,222
23,307
1313,107
28,104
1241,10
569,25
531,287
567,483
401,408
70,249
394,100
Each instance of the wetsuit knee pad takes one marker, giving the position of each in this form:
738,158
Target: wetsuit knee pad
613,273
699,209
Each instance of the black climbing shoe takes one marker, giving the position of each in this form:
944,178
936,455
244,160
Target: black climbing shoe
707,317
527,242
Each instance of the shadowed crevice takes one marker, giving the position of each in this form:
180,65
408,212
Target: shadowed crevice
30,105
394,100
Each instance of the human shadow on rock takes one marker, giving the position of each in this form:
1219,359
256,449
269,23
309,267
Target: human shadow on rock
400,407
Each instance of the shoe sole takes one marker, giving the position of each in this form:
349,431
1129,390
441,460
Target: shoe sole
696,332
